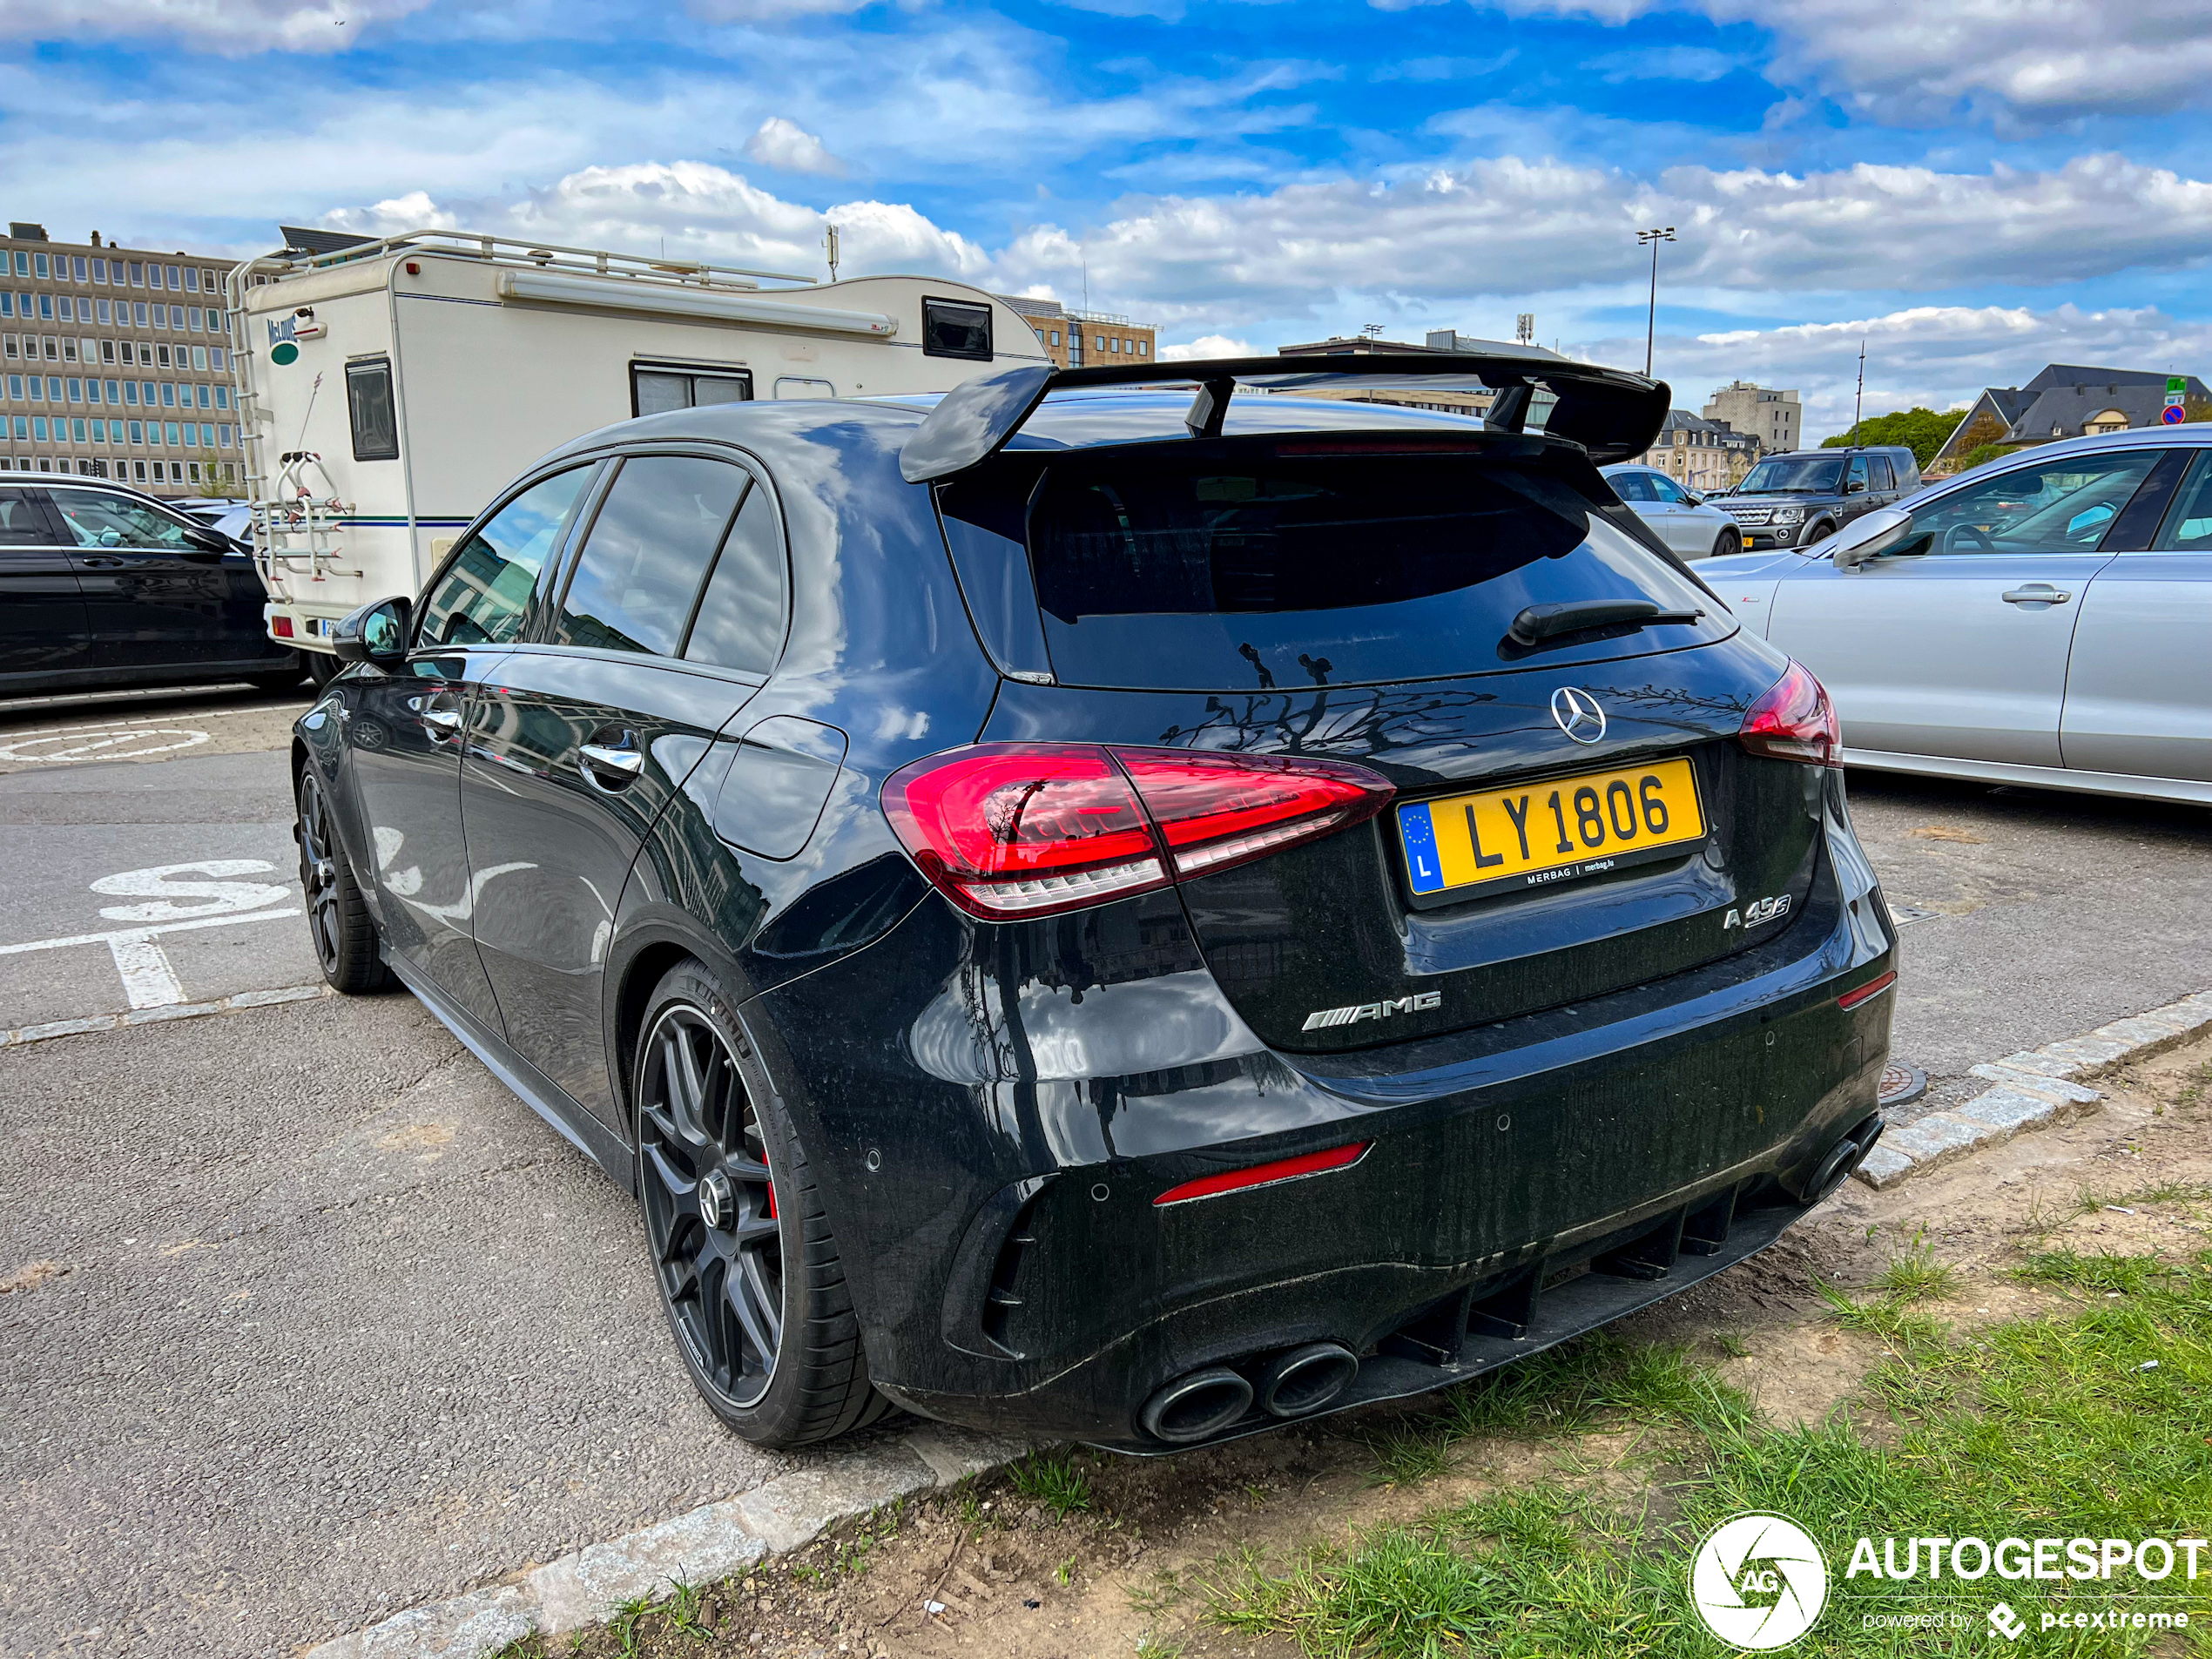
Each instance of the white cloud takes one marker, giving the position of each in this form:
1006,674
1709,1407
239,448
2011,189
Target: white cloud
2019,62
1666,63
1510,227
1208,346
791,147
694,210
228,26
1933,356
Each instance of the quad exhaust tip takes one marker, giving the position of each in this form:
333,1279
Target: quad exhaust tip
1305,1379
1197,1407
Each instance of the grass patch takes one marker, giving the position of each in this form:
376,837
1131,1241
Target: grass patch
1915,1274
1051,1479
2099,1274
2047,1426
1406,1457
1574,1386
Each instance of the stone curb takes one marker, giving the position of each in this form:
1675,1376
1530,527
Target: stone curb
708,1543
2033,1090
53,1028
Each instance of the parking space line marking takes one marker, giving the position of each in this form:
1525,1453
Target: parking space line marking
148,979
52,1029
136,933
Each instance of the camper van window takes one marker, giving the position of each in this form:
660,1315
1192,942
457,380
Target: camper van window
480,597
955,328
656,391
649,549
740,623
368,402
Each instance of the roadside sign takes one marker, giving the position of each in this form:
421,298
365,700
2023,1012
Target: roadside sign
2175,414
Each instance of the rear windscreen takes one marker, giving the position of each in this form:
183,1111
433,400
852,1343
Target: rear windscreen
1290,571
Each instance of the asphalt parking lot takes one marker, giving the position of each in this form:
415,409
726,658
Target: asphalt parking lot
307,1320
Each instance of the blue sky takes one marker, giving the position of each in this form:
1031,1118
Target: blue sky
1973,189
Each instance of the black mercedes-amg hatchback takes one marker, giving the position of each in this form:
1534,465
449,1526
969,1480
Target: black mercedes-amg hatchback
1113,913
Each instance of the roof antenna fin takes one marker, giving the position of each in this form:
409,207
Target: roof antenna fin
1209,408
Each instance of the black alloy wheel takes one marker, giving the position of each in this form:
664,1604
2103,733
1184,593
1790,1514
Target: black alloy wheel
339,925
747,1265
711,1207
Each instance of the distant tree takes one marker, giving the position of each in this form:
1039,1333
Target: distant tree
1979,455
2198,409
1921,430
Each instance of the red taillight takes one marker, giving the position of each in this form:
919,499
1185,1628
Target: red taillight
1794,721
1012,830
1266,1174
280,627
1867,992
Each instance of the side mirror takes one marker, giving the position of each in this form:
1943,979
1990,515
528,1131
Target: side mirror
207,540
1855,487
375,633
1695,499
1869,537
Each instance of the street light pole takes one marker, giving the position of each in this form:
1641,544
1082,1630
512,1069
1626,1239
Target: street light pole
1652,237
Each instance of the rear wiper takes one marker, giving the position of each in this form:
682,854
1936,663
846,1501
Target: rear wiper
1538,623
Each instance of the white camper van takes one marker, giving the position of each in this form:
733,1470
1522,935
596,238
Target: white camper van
388,389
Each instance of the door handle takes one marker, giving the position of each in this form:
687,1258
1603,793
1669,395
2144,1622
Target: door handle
2037,593
444,719
598,759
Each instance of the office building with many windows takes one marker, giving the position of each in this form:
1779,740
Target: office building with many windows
1086,339
115,363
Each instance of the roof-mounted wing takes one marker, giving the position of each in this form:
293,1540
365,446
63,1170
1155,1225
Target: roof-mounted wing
1612,414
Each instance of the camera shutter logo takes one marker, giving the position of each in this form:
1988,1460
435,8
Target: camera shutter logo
1758,1581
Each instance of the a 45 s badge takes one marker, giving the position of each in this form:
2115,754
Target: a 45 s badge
1757,911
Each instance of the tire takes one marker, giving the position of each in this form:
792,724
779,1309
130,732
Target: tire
747,1267
339,925
1728,542
1821,531
322,668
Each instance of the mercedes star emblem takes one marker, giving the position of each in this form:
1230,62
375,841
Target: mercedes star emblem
1578,714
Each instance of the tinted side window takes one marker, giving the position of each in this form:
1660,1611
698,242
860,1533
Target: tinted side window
22,520
1666,489
955,329
369,404
2061,506
1879,467
96,519
481,598
740,622
634,583
1632,486
2189,526
1858,473
656,391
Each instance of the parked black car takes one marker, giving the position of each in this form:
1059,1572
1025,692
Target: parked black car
1117,917
1805,496
101,585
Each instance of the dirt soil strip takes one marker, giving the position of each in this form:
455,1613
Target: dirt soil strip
1080,1554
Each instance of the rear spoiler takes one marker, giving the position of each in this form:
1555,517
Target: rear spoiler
1611,413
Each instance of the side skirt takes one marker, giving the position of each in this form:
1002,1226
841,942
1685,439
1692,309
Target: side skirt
536,1090
1991,771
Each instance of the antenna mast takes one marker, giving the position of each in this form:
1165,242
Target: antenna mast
1858,403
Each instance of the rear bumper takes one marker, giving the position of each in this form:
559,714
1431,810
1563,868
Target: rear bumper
1054,1297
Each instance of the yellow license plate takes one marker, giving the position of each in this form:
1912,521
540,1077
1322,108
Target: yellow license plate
1535,834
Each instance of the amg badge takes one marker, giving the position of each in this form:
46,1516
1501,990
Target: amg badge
1757,911
1322,1018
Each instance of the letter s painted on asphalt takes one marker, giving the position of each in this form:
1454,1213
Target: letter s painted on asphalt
219,897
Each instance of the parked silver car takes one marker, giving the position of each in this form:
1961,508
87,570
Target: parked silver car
1678,516
2046,619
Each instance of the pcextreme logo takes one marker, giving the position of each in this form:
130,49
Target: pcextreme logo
1758,1581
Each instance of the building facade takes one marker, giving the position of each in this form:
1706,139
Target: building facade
1776,419
1086,339
2065,401
115,363
1702,455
